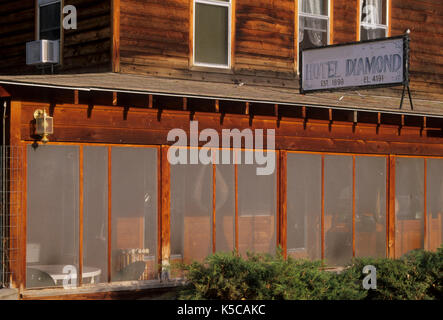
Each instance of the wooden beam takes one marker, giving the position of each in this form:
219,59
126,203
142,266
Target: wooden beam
4,93
75,96
114,98
115,22
185,104
150,101
247,108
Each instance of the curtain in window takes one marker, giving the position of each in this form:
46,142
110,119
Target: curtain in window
371,13
316,7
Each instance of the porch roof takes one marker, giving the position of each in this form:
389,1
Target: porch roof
377,100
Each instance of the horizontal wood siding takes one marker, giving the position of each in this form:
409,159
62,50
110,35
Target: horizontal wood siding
89,47
425,20
155,39
264,35
344,24
17,26
154,34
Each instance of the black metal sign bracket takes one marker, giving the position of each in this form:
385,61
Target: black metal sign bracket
403,96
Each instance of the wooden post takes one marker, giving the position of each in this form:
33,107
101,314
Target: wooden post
322,206
80,207
214,213
391,213
283,201
17,183
109,213
425,216
353,206
165,214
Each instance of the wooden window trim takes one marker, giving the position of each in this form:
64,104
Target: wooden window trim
230,4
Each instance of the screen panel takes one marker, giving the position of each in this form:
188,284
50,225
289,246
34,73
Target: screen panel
409,204
304,205
134,213
338,209
52,214
191,212
434,204
95,213
257,207
370,207
225,208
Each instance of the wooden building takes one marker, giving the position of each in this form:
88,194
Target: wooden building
354,174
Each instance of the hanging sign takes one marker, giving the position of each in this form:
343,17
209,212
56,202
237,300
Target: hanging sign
368,64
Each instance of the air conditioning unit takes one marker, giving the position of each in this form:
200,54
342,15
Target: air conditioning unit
43,52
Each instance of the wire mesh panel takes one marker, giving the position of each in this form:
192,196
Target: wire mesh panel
11,174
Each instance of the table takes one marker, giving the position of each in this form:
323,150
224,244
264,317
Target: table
56,272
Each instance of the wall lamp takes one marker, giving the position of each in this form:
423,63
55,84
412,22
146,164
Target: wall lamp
44,125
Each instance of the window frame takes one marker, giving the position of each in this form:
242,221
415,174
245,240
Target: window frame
228,4
308,15
386,26
43,3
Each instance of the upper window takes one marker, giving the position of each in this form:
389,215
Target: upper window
49,16
313,23
212,44
373,19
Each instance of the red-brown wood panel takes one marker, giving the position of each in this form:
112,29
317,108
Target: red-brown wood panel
88,48
425,20
154,33
17,26
344,24
264,35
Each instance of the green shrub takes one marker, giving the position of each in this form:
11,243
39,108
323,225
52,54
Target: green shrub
428,268
415,276
227,276
396,279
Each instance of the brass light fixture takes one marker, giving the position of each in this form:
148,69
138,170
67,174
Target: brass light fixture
43,125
